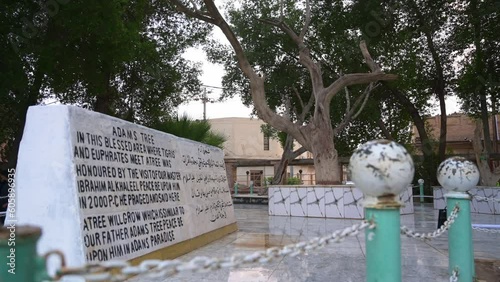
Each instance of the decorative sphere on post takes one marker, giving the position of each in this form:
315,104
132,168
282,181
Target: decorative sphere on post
381,168
458,174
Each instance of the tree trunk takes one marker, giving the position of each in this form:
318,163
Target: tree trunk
287,156
488,178
317,136
104,100
430,162
326,163
440,85
443,129
280,171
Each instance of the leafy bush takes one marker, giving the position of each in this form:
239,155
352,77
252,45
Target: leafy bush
268,180
293,181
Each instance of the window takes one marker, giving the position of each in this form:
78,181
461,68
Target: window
266,142
256,177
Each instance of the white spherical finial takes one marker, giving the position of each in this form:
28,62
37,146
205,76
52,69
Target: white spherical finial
381,168
458,174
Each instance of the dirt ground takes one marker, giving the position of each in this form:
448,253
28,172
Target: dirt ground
488,270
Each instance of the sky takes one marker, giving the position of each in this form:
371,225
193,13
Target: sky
212,76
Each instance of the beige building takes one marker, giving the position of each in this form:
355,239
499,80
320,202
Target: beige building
250,156
460,132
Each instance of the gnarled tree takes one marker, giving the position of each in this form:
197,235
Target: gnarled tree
317,136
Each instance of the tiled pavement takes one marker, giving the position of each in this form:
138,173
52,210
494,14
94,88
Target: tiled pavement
345,261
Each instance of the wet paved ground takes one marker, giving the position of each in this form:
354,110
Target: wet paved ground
345,261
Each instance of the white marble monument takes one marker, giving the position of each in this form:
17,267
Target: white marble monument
102,188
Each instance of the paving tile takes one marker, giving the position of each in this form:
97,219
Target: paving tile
345,261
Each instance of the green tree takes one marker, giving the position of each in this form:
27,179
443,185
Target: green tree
185,127
288,87
315,132
415,40
22,76
122,58
476,38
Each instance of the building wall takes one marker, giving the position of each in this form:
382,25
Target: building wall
460,132
246,141
244,138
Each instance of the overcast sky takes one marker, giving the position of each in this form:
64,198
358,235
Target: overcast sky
212,76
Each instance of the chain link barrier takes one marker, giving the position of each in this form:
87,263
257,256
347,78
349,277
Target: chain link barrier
487,230
486,199
454,276
116,271
436,233
121,270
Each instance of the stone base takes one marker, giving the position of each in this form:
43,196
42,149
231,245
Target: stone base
477,205
340,201
187,246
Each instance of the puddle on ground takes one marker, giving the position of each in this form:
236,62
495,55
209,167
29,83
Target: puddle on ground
261,240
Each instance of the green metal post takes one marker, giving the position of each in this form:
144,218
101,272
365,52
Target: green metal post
461,251
421,192
251,188
19,259
236,188
421,188
383,245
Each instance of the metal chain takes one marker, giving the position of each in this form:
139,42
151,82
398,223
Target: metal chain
436,233
454,276
481,198
122,270
487,230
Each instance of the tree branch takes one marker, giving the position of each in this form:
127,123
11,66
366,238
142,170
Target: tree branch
364,102
296,92
298,152
348,99
257,88
350,113
194,14
307,22
305,108
384,129
368,58
358,78
304,54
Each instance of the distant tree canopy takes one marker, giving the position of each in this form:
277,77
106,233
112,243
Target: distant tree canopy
280,49
197,130
333,42
121,58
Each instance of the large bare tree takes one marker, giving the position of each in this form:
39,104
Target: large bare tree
488,177
317,136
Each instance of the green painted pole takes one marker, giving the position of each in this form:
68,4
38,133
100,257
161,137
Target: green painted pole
236,188
19,261
458,175
383,245
421,192
382,169
421,188
251,188
461,250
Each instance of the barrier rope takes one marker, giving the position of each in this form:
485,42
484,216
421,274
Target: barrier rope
122,270
486,199
436,233
487,230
